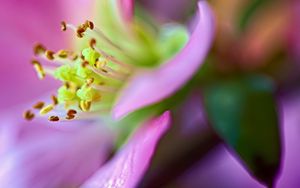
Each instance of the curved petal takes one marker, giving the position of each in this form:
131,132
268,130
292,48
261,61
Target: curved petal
127,7
150,87
127,167
43,156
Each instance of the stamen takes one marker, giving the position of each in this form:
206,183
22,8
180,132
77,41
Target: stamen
73,56
53,118
85,105
62,54
46,109
63,26
39,105
105,73
39,69
50,55
89,24
28,115
39,49
111,58
54,100
108,89
82,29
71,112
89,81
70,117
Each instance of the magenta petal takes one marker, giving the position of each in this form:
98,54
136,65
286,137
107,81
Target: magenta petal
150,87
127,7
127,167
43,156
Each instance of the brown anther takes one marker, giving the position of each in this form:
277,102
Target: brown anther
84,64
28,115
92,43
80,31
67,84
49,54
103,70
71,112
82,57
62,54
63,26
39,49
54,100
89,24
89,81
83,26
70,117
53,118
35,62
39,105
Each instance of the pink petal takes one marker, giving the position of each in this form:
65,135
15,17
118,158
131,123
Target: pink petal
150,87
127,167
43,156
127,7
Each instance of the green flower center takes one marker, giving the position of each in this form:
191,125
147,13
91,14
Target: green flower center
92,78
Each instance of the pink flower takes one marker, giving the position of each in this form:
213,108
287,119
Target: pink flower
36,155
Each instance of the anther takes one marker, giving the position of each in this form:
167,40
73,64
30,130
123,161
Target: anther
46,109
54,100
85,105
80,31
49,54
63,26
39,49
39,105
89,81
89,24
67,84
28,115
39,69
71,112
92,43
70,117
62,54
84,64
53,118
103,70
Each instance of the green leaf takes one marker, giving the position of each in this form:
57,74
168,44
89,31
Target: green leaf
243,112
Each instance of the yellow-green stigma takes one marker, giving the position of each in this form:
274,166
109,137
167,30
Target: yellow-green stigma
89,79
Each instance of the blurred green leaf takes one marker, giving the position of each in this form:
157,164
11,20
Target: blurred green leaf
249,11
243,112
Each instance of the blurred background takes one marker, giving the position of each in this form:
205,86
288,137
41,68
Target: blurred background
252,37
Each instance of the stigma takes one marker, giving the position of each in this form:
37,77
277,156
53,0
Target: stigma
90,78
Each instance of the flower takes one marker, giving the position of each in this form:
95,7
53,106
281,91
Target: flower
124,63
122,59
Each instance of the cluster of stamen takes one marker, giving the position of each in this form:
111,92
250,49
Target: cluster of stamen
87,77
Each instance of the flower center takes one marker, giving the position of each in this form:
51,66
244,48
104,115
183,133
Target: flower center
91,78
